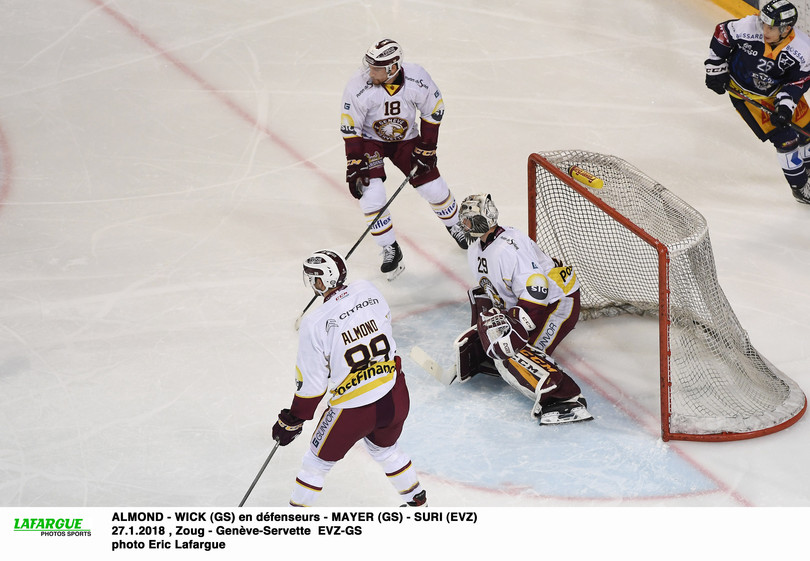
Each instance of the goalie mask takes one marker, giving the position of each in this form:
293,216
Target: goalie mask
478,214
326,265
385,54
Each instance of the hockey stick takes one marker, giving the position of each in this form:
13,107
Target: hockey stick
261,471
360,239
767,110
429,365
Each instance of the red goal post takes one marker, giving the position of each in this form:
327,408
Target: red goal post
639,249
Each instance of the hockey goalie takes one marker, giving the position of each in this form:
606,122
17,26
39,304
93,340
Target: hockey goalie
524,305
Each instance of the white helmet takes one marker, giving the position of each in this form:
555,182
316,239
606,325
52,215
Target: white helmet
326,265
481,213
386,54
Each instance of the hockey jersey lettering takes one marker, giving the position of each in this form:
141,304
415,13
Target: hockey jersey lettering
390,114
359,332
347,349
363,381
756,67
517,269
565,277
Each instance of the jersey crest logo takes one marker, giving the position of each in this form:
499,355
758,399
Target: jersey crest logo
489,288
762,81
391,129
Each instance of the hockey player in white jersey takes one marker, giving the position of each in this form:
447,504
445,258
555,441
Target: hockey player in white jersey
524,305
347,350
393,109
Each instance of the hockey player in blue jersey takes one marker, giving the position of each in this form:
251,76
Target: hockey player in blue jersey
767,59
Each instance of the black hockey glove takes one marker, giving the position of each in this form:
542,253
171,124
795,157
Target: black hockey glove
357,175
423,157
717,77
287,428
782,116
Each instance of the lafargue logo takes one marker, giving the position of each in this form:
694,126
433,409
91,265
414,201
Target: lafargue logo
52,526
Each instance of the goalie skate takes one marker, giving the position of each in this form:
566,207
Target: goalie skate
564,411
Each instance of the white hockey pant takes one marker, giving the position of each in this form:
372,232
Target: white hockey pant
397,467
373,199
309,482
441,200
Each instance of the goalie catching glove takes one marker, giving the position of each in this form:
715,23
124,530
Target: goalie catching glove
503,335
287,428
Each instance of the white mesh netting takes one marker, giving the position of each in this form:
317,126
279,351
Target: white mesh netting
720,384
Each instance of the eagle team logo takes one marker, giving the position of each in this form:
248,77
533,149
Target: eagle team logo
391,129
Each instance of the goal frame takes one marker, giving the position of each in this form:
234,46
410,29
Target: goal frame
664,317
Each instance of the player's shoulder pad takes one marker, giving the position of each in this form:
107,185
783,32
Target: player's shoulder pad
745,29
565,277
537,287
418,76
799,48
358,84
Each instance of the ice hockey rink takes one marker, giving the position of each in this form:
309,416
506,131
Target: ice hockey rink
166,167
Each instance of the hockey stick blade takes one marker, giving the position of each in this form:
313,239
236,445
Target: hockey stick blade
429,365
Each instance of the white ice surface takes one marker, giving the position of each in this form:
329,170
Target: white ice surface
167,166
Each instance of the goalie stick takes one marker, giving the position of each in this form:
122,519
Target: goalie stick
429,365
534,360
360,239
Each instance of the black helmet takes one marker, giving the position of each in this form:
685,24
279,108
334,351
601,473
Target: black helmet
779,13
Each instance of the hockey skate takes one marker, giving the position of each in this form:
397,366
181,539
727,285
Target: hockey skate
802,194
392,261
565,411
458,234
420,499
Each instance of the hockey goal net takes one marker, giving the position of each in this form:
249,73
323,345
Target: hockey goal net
639,249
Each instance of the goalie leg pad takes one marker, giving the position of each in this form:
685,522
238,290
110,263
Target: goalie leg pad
470,356
479,302
532,373
540,378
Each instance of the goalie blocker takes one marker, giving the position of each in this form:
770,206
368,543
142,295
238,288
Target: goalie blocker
497,345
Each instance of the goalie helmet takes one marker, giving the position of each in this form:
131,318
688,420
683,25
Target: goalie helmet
326,265
478,214
385,54
779,13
